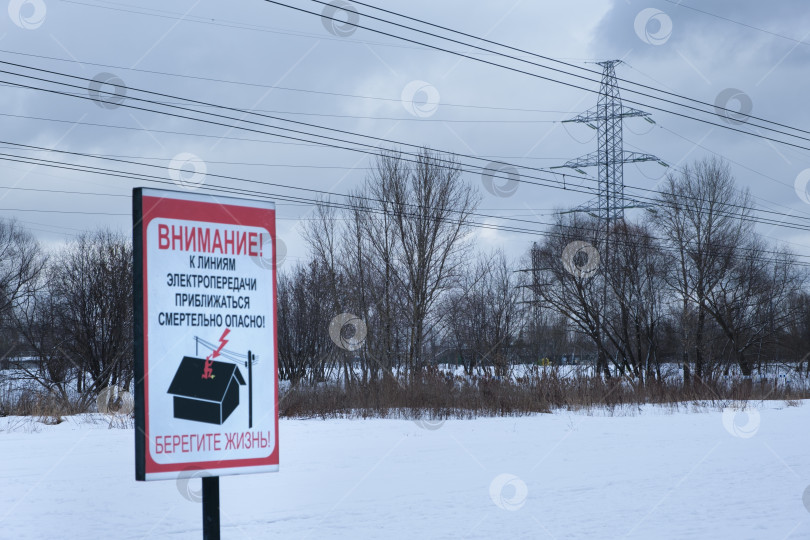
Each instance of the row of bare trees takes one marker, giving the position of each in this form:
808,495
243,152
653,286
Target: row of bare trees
389,256
395,286
688,284
67,316
694,268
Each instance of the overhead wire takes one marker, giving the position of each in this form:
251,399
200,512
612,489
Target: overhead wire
537,75
274,86
391,12
313,143
758,29
760,220
343,206
232,109
545,182
568,64
185,17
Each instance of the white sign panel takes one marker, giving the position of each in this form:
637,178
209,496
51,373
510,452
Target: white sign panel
206,356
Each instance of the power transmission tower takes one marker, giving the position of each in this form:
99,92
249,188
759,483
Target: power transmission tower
607,119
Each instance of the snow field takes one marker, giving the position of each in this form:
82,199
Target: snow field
652,473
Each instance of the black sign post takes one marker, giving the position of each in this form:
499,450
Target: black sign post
210,507
250,389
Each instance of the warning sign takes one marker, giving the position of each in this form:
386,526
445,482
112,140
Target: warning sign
206,395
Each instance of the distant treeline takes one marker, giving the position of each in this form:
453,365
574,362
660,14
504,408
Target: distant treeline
688,282
394,284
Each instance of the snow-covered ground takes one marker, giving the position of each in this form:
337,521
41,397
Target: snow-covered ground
653,474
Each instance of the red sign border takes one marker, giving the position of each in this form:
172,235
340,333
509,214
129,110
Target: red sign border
150,204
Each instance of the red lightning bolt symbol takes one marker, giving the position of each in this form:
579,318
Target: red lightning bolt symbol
222,343
209,364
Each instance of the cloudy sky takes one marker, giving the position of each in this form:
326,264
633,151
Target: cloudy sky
252,54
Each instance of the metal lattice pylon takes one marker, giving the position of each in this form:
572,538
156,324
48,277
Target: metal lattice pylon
607,119
610,157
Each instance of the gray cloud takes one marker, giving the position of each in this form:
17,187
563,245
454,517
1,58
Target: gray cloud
256,43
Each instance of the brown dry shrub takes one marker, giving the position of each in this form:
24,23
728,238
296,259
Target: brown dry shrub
439,395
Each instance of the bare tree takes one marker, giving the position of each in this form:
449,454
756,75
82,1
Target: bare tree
797,333
21,265
414,220
325,234
91,285
703,219
26,310
567,276
304,312
38,324
751,304
483,317
379,268
638,295
432,207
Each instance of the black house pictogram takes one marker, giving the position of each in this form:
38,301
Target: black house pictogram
209,400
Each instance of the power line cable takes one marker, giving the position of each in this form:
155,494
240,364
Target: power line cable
274,87
319,192
375,148
572,85
375,152
368,148
344,206
72,122
550,59
776,34
495,53
96,155
232,109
